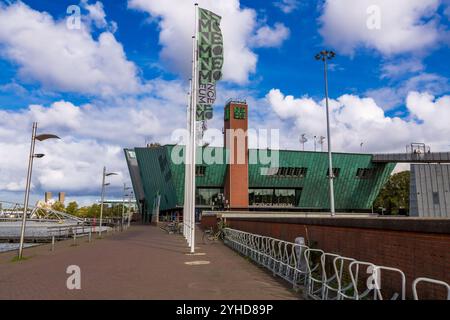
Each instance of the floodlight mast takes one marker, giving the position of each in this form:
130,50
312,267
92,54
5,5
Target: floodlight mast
324,56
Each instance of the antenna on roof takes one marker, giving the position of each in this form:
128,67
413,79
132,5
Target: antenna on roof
303,140
321,142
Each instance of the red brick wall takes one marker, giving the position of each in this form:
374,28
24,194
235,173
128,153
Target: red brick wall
416,254
236,179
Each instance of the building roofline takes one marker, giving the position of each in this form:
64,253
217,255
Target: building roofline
282,150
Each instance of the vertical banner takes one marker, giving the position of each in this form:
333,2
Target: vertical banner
210,62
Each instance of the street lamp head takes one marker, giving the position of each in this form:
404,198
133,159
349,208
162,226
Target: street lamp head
325,55
111,174
107,184
46,136
39,155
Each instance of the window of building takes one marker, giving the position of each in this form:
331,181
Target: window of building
292,172
336,172
207,196
274,197
365,173
200,171
284,198
436,201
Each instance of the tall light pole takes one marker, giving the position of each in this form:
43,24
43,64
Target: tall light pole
325,56
105,174
32,155
125,188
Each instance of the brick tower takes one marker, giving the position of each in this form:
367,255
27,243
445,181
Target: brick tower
236,147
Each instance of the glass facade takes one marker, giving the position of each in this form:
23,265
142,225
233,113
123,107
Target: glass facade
274,197
207,196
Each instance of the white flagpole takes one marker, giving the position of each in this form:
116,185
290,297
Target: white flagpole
191,175
186,164
193,129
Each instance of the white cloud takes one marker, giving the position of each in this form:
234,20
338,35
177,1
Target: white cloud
176,22
92,135
396,69
65,60
287,6
393,96
427,108
270,37
355,120
96,13
407,26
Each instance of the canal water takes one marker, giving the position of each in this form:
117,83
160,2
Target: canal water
33,229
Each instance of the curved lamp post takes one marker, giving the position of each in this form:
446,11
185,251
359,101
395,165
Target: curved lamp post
32,155
125,188
325,56
105,174
129,208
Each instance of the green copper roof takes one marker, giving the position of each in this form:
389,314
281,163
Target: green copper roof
351,192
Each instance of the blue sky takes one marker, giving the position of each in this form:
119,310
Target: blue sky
121,80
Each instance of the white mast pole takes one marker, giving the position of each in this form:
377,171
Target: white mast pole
193,129
186,165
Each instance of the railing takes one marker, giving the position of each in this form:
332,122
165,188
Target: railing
429,281
324,276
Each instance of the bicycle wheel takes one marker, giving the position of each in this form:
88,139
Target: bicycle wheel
206,238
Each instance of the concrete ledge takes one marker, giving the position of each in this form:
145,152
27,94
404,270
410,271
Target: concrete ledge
407,224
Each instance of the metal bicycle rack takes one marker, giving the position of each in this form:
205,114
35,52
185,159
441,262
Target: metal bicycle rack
315,280
324,276
430,281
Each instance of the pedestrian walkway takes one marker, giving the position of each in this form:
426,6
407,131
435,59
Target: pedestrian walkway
142,263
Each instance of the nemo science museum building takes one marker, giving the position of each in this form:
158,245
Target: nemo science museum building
299,182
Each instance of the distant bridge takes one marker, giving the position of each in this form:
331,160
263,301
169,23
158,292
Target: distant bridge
426,157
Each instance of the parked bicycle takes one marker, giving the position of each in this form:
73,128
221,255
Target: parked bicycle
172,227
210,235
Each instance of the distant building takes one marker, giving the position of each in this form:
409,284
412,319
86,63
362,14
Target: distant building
61,197
47,197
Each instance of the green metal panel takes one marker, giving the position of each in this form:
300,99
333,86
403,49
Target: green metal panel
351,192
156,174
214,174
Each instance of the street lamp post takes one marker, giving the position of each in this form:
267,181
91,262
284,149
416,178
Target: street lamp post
125,188
103,197
325,56
32,155
129,209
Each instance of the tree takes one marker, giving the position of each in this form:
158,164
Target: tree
58,206
72,208
394,197
94,211
83,212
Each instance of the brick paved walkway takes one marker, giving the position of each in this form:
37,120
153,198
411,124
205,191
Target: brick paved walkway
143,263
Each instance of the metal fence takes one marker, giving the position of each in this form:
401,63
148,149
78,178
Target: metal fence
322,275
